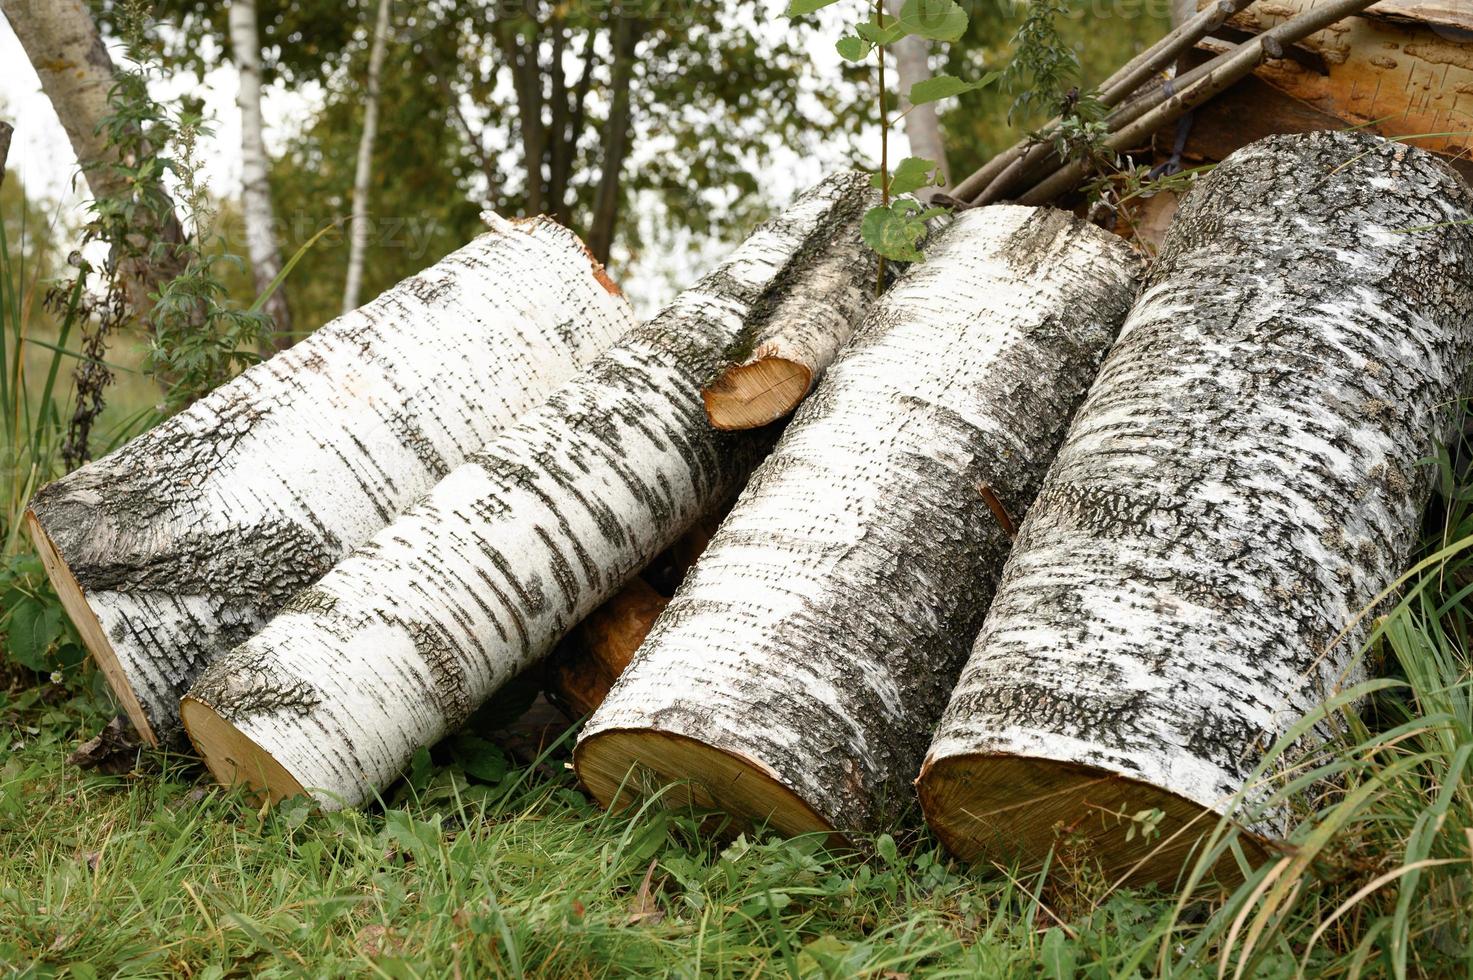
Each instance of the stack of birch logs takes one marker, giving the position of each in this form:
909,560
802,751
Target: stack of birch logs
1054,538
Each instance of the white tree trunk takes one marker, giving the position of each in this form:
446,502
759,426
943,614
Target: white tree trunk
767,373
395,647
178,546
358,232
260,216
63,44
796,676
922,125
1244,477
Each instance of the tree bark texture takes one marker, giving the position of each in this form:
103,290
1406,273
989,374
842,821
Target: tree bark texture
63,44
817,639
184,541
397,645
1244,477
260,216
624,36
363,174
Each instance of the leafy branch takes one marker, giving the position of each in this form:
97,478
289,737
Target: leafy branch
895,228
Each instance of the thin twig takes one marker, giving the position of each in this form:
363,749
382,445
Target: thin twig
999,511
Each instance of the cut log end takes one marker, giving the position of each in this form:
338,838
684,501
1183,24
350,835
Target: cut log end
232,758
94,637
621,767
591,658
1005,808
747,396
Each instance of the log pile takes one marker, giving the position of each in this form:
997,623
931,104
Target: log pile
403,639
328,564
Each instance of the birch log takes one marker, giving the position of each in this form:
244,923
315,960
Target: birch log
795,678
395,647
1244,477
181,544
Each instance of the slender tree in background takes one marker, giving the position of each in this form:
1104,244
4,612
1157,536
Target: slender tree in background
358,246
626,34
260,217
922,125
63,44
5,133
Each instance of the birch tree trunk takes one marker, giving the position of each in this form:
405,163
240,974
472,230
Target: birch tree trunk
363,174
62,42
260,216
400,642
1243,479
922,125
181,544
795,678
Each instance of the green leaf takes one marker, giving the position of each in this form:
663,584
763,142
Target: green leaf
937,20
33,628
797,8
893,233
889,34
853,48
946,86
1057,956
913,174
886,849
479,758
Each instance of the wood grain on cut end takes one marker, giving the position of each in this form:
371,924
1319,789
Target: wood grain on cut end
591,658
94,637
233,758
750,395
621,767
1007,808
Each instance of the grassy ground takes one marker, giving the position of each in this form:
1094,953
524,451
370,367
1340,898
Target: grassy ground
477,865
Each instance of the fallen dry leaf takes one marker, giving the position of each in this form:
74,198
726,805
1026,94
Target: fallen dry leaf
645,910
114,750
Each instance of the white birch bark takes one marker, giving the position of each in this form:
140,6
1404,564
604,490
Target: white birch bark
922,125
363,174
1244,477
401,641
178,546
256,208
817,638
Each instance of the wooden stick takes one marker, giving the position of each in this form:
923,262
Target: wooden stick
1200,85
979,186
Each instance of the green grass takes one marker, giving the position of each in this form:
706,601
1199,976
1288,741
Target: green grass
474,866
